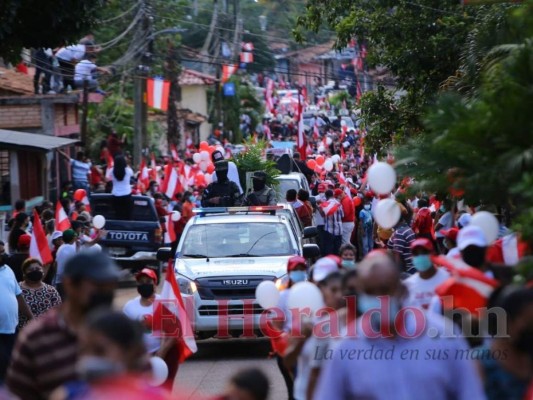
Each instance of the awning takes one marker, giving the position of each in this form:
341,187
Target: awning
14,140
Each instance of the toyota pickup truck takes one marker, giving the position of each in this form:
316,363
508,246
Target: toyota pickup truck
133,244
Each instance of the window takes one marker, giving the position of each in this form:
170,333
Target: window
5,182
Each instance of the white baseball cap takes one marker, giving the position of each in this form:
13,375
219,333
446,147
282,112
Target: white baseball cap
57,235
471,236
464,220
323,267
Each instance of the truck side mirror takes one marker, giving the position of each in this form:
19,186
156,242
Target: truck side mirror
164,254
311,250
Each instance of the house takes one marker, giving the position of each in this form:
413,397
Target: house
194,103
32,126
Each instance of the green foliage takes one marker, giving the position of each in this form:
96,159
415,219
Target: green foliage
252,160
43,23
338,98
483,144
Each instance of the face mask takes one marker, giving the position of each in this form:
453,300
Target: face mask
192,199
367,303
474,256
348,264
222,175
146,290
100,300
35,276
297,276
367,206
422,263
258,185
442,209
92,368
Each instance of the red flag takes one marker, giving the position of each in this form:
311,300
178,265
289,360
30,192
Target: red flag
247,57
171,182
300,140
157,91
62,221
153,166
174,152
39,248
144,177
330,207
227,71
110,163
170,316
170,233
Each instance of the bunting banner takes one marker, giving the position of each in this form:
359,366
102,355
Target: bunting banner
157,93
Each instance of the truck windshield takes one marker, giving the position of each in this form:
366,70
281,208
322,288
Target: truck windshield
142,209
237,240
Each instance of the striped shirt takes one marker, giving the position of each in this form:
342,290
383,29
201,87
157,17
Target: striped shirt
400,243
44,357
334,221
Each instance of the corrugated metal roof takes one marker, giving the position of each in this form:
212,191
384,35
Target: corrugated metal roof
37,141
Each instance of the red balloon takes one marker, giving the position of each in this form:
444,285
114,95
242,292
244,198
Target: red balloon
211,168
320,160
79,194
311,164
211,149
199,180
204,145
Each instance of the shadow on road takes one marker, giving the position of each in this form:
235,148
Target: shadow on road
233,349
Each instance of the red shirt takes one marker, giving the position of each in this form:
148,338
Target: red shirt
348,208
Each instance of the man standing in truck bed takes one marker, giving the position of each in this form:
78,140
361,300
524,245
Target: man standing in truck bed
262,194
223,192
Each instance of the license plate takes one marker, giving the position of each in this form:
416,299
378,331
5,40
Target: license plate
116,251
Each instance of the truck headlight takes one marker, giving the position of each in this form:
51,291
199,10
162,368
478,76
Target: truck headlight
282,283
186,285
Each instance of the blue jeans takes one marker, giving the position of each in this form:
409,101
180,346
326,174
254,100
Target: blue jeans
81,185
367,241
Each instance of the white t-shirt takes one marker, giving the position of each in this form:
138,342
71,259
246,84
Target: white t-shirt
134,310
84,70
64,253
9,308
421,291
123,187
446,221
70,53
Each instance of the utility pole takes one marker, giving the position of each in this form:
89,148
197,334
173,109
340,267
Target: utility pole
172,72
84,112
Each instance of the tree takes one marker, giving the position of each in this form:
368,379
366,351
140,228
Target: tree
482,145
44,23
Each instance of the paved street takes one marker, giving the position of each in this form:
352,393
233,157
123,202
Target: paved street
207,372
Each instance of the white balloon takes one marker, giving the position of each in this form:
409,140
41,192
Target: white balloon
159,371
196,157
321,149
203,165
176,216
335,158
99,221
343,123
488,224
387,213
303,295
328,165
204,155
381,178
267,294
329,141
208,178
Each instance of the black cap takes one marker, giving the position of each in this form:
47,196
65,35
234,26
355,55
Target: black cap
260,176
217,156
91,266
221,165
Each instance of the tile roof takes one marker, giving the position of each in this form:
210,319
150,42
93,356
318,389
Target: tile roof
15,82
189,77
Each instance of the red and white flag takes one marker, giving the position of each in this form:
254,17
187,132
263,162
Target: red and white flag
171,183
170,233
330,207
268,94
171,319
144,177
157,93
316,132
300,140
247,57
62,221
39,247
109,166
248,46
174,152
153,172
227,71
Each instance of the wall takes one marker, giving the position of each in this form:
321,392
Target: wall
195,99
20,116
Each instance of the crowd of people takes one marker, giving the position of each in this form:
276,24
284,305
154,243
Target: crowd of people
60,338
